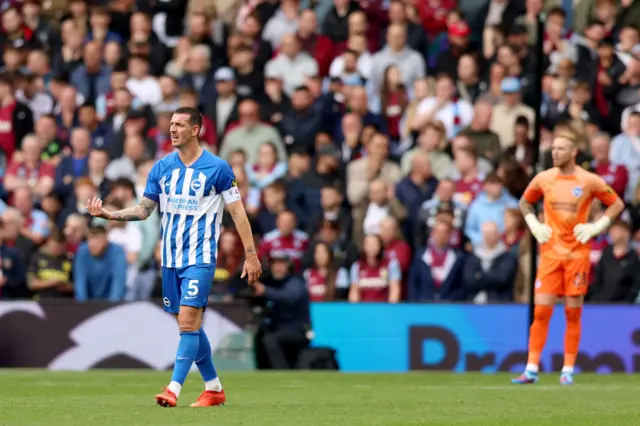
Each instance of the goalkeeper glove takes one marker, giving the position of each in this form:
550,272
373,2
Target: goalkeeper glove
541,231
585,231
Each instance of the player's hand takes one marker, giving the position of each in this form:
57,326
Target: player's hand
94,206
583,232
586,231
541,231
251,269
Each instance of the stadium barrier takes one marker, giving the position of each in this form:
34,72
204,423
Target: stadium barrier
487,338
62,335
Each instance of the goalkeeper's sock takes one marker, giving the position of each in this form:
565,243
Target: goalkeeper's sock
538,335
187,351
572,337
204,362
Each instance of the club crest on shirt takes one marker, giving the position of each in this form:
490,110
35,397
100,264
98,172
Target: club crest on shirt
196,185
577,191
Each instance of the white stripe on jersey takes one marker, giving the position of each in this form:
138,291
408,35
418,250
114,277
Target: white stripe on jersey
186,183
193,231
175,175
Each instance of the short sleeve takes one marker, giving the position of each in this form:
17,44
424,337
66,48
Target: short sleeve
602,191
395,274
342,278
533,193
226,184
355,273
152,191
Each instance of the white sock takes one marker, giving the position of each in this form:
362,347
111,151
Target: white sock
175,387
532,368
213,385
567,369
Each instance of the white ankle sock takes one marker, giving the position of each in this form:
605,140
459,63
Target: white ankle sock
213,385
567,369
532,368
175,387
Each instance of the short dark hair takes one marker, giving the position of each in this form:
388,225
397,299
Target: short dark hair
56,235
195,118
493,178
6,78
522,120
124,183
557,11
97,229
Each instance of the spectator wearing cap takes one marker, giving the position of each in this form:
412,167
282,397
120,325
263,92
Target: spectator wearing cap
250,80
26,169
223,109
416,35
75,164
485,140
99,268
92,78
504,116
454,113
283,334
396,52
38,100
436,269
291,64
250,134
459,41
16,119
301,123
615,175
199,76
616,277
489,271
625,151
488,206
284,21
49,271
141,84
416,188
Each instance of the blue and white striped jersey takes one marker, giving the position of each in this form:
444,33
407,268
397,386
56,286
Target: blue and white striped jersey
191,206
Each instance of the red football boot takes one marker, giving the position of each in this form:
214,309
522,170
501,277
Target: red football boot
210,398
167,398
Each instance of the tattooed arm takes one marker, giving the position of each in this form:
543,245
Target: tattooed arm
139,212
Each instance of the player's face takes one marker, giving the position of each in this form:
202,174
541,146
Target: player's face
181,130
563,152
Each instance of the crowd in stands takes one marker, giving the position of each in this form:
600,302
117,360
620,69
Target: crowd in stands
380,145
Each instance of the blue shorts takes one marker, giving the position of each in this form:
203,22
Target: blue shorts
189,286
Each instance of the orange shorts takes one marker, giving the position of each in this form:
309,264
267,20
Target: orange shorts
563,277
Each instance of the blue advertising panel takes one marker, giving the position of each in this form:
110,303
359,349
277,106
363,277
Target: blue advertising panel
487,338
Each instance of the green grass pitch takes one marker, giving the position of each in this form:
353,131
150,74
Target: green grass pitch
126,398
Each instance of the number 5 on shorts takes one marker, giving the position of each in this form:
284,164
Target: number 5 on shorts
192,288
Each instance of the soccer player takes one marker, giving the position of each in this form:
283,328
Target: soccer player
568,191
190,186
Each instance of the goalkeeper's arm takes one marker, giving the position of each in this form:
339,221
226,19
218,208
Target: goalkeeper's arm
585,231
